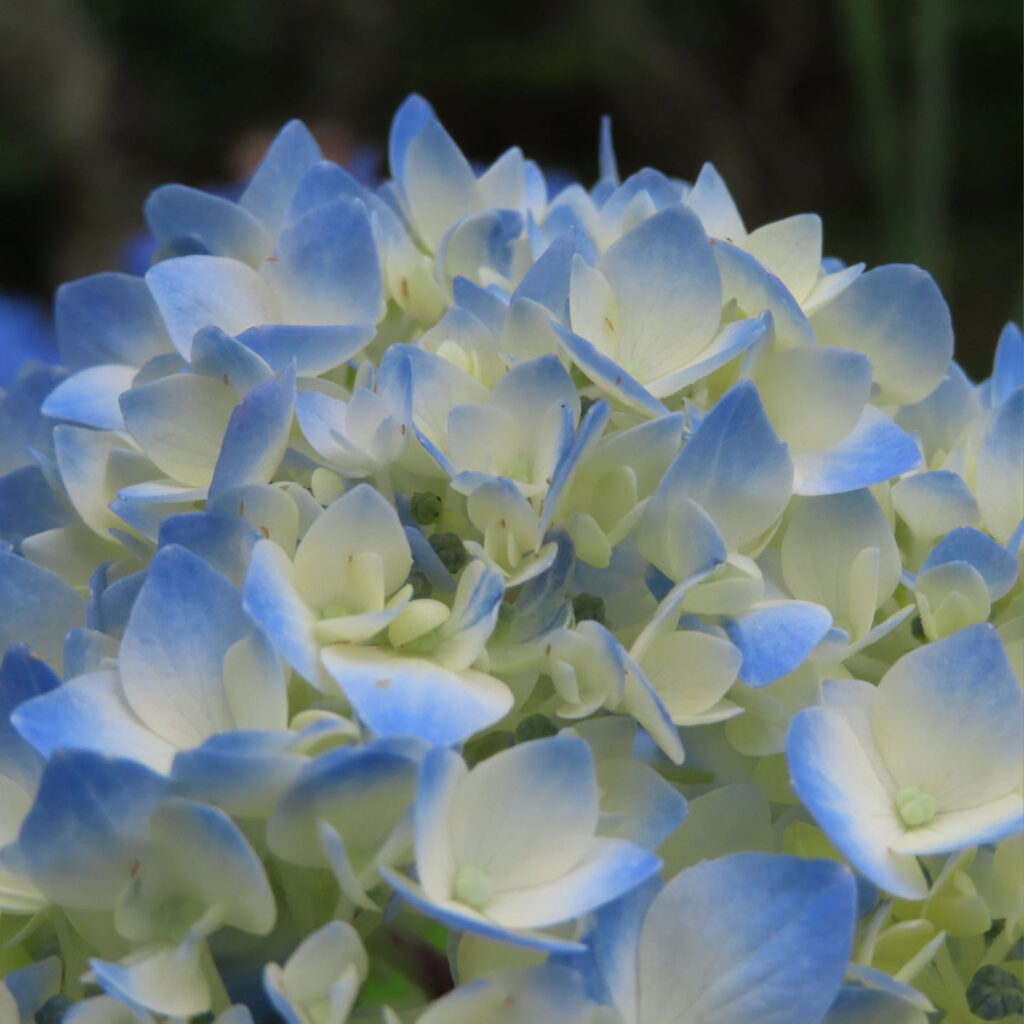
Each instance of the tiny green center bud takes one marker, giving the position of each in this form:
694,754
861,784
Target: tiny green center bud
915,808
535,727
450,550
588,606
473,886
426,507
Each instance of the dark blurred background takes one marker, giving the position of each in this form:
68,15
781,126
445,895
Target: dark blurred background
899,121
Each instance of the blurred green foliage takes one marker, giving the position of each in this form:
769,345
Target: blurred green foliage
899,121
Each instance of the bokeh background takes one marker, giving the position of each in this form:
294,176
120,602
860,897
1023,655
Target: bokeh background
899,121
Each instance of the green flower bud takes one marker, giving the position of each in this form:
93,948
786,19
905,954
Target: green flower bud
483,747
450,550
588,606
420,585
994,993
426,507
535,727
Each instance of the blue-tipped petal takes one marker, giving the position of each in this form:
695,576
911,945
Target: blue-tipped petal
608,375
896,315
610,868
756,290
87,826
410,118
323,183
37,608
439,184
637,803
997,566
326,270
90,713
483,303
269,193
944,415
33,985
28,505
1008,371
90,396
192,292
610,967
273,600
108,318
934,502
776,639
711,201
85,649
245,773
547,281
735,468
732,341
606,166
667,293
166,979
225,542
460,917
406,696
22,678
877,450
999,470
857,1005
217,355
362,792
316,350
177,689
644,703
466,631
222,227
480,242
752,936
256,435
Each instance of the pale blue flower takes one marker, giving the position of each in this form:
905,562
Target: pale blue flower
749,936
926,763
510,848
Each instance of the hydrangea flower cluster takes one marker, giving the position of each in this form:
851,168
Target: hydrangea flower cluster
581,600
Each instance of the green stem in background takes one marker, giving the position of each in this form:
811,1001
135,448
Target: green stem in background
865,34
929,197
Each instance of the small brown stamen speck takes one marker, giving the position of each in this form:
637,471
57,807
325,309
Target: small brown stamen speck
135,868
265,532
403,429
241,508
618,380
383,683
405,288
609,324
224,377
547,650
271,259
